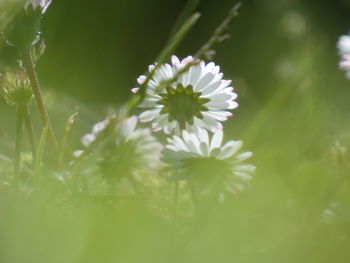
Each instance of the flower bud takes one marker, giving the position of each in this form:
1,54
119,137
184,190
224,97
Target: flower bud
15,87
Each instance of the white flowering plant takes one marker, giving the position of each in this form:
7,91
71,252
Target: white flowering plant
166,173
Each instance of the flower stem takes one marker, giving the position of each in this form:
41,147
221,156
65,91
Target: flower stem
218,35
30,130
194,198
18,142
39,157
176,200
29,65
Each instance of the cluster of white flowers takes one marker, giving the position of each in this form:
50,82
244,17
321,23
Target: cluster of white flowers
344,51
187,104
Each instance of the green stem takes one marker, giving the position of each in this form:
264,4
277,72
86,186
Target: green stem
39,157
19,133
162,57
29,65
30,130
194,197
176,200
186,12
218,35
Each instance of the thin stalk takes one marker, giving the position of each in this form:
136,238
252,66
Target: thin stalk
18,142
40,155
30,130
186,12
114,120
63,142
218,35
162,57
194,197
176,200
29,65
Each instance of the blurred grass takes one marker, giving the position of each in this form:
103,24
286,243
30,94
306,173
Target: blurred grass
294,105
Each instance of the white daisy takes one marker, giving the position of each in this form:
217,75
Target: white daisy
199,97
344,51
124,151
206,163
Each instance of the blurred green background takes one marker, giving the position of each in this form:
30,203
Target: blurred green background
294,106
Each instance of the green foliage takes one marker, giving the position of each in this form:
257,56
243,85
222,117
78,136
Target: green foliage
293,115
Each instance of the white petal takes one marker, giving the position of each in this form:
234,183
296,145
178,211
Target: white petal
141,79
220,96
179,143
204,82
87,139
211,122
127,127
149,115
203,136
211,88
195,74
151,68
344,44
243,175
216,141
243,156
175,61
100,126
134,90
229,149
169,128
245,168
78,153
204,149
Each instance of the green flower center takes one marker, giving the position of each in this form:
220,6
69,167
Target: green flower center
208,169
182,104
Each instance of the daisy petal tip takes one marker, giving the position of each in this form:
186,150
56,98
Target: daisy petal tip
141,79
175,61
135,90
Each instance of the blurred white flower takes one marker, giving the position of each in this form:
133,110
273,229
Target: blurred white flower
197,98
207,163
87,139
294,23
125,149
344,45
43,4
344,51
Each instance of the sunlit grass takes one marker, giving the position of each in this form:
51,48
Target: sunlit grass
66,208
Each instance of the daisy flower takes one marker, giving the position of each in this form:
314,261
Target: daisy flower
199,97
344,51
207,163
126,150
